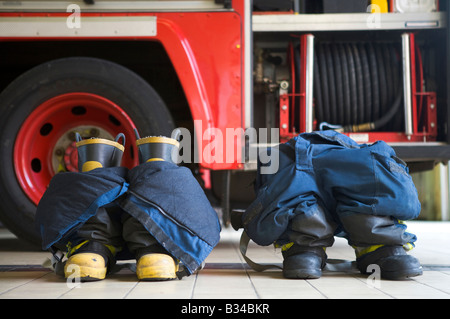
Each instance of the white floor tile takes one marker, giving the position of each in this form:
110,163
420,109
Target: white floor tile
227,276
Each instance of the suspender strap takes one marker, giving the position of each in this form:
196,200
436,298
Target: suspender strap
243,245
334,265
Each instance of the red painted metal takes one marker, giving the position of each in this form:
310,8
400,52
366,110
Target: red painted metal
413,81
293,105
285,129
284,115
210,65
210,68
303,59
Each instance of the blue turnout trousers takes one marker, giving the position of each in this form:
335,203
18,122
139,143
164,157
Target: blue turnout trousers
153,203
329,185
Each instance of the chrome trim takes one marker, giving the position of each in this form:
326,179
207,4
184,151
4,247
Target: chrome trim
309,93
407,83
248,61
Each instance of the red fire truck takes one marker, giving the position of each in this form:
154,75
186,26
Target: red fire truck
103,67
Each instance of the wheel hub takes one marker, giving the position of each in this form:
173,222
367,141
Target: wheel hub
65,155
45,144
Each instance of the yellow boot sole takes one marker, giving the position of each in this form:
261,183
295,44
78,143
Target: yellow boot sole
86,266
154,267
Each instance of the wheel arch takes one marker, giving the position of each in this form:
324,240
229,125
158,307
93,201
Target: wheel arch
148,59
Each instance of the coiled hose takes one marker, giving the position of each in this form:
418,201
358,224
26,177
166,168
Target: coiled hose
358,87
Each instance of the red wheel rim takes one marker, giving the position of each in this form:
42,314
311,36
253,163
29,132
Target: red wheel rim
46,137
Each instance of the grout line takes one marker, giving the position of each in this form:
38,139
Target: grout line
65,293
246,269
194,285
315,288
425,284
131,289
253,285
25,283
374,287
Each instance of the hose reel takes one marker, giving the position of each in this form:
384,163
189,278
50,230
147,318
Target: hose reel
358,86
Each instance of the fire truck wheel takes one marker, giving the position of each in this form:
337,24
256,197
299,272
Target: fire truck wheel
42,109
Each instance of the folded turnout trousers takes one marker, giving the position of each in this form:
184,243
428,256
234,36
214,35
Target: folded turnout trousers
329,185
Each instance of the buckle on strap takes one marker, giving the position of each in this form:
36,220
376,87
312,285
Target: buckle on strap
56,262
57,254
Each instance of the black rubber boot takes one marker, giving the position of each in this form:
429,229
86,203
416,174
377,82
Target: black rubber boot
394,263
158,148
91,260
98,152
303,262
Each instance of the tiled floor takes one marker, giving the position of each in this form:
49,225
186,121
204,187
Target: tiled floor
227,276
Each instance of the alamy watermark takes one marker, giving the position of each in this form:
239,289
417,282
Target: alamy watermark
74,278
74,19
214,145
373,281
374,19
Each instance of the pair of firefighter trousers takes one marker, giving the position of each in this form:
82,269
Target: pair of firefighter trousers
329,185
158,198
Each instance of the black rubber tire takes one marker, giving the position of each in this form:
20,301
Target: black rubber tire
76,74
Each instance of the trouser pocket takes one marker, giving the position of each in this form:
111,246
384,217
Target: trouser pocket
396,194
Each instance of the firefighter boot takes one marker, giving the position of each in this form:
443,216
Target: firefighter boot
393,262
98,152
89,261
158,148
301,262
154,264
153,261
